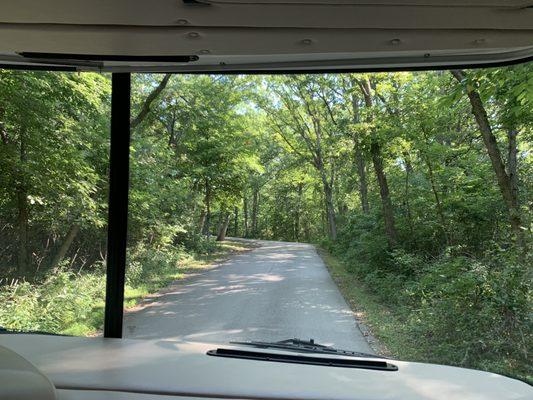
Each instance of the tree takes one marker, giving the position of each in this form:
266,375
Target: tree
299,120
506,178
377,161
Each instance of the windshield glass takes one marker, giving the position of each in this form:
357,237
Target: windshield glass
382,213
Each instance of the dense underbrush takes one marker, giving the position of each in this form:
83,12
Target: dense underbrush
70,302
458,308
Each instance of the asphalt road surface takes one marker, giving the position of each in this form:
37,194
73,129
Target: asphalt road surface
276,291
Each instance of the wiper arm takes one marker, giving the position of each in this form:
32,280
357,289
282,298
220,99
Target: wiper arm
305,346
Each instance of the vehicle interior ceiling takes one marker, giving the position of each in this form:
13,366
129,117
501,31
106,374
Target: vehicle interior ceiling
225,35
232,36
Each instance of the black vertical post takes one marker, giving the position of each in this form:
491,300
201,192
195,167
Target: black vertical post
118,204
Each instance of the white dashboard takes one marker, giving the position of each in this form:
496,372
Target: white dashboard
72,368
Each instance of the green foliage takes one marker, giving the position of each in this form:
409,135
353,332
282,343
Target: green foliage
474,312
458,310
63,303
73,303
285,158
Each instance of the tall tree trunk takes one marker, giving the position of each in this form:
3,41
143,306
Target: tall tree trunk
223,227
65,245
330,208
201,221
408,172
192,197
377,161
432,181
298,212
236,221
324,219
245,212
512,162
361,172
255,211
23,263
438,203
207,202
359,160
504,180
386,203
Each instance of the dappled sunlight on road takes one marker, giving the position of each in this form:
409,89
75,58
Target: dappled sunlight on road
278,290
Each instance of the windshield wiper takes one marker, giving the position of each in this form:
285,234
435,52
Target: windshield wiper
6,331
305,346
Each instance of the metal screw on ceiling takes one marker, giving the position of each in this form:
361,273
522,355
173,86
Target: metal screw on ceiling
395,42
182,22
193,35
307,41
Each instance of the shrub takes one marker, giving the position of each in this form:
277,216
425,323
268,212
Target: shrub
461,309
63,299
473,312
146,264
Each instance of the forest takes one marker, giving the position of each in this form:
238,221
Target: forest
418,183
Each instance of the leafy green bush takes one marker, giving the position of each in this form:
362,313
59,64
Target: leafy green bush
474,312
63,302
460,309
196,243
146,264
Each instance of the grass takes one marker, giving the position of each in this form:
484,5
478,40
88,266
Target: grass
393,339
72,303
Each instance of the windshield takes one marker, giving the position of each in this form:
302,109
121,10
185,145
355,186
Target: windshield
380,213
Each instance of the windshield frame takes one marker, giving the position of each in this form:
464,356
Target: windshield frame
119,163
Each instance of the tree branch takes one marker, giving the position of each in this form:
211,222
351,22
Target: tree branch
145,109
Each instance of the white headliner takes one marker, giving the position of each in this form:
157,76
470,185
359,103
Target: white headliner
268,35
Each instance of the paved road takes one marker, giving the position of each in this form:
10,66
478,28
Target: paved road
276,291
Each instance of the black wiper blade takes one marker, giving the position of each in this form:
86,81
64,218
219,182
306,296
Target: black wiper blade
380,365
305,346
14,332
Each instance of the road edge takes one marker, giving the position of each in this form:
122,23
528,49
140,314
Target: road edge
359,312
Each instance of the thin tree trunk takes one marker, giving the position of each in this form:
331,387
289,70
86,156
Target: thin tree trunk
255,211
375,151
386,203
361,172
65,246
201,221
207,201
438,202
436,195
408,172
223,228
298,212
245,212
512,162
235,221
192,196
327,185
504,181
330,210
360,161
23,263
